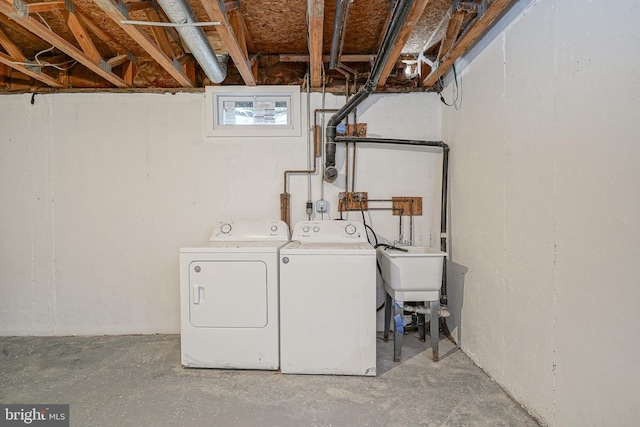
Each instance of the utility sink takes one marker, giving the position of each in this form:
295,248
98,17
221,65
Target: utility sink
414,275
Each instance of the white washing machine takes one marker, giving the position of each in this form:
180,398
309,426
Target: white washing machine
229,297
328,300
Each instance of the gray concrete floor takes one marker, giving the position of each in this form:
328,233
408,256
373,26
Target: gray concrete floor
138,381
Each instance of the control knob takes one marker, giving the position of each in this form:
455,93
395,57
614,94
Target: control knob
350,229
225,228
316,229
305,228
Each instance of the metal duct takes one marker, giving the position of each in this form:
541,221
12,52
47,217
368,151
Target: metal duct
179,12
396,23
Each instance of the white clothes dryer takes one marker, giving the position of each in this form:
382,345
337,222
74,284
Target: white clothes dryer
229,297
328,300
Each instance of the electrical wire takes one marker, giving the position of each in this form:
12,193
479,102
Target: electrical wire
38,62
375,246
457,91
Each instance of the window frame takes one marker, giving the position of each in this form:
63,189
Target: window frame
216,95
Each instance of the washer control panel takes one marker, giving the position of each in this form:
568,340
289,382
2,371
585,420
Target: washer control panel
329,231
249,230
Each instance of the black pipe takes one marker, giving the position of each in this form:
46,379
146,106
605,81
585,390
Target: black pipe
445,188
443,221
337,26
392,141
396,23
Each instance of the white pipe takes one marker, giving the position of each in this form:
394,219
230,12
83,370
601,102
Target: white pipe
421,309
311,157
170,24
179,12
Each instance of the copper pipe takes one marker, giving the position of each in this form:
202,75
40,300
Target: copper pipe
353,174
284,201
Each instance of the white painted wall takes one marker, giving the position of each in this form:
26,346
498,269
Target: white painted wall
545,211
99,192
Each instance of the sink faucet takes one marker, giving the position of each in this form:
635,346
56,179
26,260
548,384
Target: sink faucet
402,243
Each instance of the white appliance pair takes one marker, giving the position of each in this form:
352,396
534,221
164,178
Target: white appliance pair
318,318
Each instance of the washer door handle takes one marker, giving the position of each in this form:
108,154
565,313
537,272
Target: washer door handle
196,294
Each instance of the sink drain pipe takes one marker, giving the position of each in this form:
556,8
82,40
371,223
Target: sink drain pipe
444,201
396,23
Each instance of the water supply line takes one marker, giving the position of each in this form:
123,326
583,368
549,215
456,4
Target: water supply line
398,19
445,188
179,12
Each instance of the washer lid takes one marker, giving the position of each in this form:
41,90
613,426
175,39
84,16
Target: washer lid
327,248
330,231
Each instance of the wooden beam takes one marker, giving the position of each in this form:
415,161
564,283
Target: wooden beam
412,20
188,63
58,42
476,30
235,20
325,58
117,60
159,34
129,73
111,9
46,6
44,78
316,34
451,35
12,49
138,5
236,51
82,36
251,47
100,33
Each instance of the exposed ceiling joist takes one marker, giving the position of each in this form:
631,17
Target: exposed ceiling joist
44,78
111,9
159,34
473,33
226,32
99,33
325,58
59,43
235,15
46,6
316,25
412,20
82,36
451,35
16,59
12,49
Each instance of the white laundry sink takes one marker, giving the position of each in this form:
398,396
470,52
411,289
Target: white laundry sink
414,275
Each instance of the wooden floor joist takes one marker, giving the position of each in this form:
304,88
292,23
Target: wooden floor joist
477,29
35,27
140,37
236,50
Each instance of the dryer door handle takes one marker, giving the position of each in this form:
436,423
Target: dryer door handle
196,294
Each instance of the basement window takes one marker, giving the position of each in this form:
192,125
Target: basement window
256,111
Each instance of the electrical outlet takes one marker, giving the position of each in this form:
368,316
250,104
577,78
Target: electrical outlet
322,206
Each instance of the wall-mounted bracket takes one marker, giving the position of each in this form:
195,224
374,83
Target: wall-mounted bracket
353,201
21,7
407,206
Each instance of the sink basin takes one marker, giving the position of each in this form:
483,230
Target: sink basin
415,275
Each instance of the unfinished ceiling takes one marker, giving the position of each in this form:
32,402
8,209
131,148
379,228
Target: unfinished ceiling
60,45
